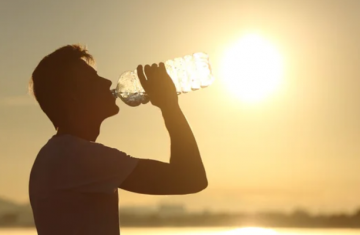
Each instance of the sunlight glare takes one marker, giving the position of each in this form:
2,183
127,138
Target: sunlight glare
252,68
252,231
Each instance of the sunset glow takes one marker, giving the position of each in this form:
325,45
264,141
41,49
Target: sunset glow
253,231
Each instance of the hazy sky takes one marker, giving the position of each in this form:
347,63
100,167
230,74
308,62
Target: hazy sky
299,148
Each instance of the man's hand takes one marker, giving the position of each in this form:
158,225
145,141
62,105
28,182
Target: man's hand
158,85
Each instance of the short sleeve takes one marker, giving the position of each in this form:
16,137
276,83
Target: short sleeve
91,167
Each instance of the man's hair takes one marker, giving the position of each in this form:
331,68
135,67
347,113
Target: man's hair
52,77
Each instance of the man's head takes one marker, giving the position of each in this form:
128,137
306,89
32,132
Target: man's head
70,91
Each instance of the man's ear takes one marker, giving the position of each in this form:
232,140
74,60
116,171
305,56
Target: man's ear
68,98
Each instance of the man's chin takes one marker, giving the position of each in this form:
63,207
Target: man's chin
110,111
116,110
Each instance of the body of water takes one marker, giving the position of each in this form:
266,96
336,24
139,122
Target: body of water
209,231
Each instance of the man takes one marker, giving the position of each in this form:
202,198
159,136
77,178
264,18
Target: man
74,180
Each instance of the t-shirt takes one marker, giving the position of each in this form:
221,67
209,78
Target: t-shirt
74,187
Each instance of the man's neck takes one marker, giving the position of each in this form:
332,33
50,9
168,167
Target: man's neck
86,133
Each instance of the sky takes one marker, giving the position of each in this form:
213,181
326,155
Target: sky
299,148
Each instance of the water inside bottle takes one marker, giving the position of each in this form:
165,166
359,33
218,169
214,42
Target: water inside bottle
188,73
203,69
125,89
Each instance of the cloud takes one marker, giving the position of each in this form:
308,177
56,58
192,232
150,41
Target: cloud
25,100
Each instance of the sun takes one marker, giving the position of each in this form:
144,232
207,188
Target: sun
252,68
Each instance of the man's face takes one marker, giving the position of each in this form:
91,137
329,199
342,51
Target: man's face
93,98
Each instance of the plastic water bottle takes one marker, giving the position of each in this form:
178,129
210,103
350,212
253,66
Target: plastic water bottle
190,72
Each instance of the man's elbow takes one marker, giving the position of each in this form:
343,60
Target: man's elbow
199,185
203,186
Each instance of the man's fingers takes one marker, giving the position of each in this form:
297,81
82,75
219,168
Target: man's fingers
162,66
141,76
155,72
148,71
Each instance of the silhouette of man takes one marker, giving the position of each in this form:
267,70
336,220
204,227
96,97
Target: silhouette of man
74,181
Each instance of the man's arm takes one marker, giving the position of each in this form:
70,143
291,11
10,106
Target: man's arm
185,173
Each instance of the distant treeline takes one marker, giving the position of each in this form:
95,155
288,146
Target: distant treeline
299,219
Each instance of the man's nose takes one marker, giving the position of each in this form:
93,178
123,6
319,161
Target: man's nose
107,82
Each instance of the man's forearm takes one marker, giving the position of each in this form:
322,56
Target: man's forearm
185,153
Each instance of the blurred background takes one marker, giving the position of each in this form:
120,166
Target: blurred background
283,141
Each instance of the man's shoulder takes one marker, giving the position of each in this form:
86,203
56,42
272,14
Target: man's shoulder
68,145
69,142
62,151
